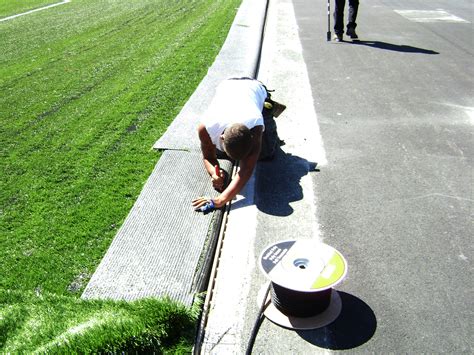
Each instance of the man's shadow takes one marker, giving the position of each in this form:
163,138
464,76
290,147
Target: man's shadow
355,325
278,182
394,47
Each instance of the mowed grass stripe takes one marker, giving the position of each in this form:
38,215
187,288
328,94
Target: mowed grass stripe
15,7
86,91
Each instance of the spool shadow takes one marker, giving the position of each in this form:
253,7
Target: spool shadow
278,182
355,326
394,47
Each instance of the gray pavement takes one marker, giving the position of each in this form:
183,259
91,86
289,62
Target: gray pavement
380,167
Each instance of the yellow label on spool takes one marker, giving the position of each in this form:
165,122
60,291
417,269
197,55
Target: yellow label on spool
332,272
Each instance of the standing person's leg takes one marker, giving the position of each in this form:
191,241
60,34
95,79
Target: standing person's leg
353,8
339,17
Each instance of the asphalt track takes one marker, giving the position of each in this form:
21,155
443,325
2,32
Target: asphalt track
383,173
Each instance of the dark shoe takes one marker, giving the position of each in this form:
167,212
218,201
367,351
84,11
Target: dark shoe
351,32
338,37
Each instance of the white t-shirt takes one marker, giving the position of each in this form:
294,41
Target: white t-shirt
235,101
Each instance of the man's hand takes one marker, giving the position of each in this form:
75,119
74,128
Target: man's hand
203,204
218,179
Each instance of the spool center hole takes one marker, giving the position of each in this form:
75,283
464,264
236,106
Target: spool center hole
301,263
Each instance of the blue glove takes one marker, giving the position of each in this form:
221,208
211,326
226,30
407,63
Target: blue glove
208,207
204,205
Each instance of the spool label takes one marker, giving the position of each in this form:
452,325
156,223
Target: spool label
332,272
273,255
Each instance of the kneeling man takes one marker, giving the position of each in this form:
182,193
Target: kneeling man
233,126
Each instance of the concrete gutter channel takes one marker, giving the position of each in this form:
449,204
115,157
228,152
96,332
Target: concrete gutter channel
164,248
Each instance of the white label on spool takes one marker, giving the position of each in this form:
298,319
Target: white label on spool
328,270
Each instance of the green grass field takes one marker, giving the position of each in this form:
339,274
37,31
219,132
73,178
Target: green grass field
86,89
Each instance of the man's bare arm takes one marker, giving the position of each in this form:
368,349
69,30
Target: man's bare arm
246,167
210,158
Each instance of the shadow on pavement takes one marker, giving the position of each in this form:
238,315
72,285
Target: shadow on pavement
394,47
355,326
278,182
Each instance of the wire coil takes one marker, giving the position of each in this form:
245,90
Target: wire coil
299,304
302,275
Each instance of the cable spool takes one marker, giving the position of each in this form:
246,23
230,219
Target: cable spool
302,274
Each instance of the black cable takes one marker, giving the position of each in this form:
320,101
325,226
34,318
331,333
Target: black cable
258,322
257,69
291,303
299,304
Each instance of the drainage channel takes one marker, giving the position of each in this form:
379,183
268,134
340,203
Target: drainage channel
212,278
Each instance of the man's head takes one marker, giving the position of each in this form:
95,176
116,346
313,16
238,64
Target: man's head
237,141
